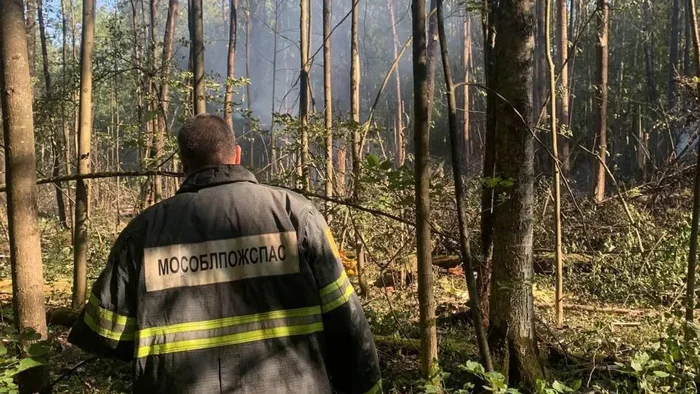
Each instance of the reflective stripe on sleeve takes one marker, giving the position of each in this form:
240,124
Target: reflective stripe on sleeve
336,294
376,389
228,331
108,324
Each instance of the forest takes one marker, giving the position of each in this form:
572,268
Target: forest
513,185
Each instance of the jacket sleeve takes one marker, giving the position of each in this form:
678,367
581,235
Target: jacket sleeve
107,324
351,356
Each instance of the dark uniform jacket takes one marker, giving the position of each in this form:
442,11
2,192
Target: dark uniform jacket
230,287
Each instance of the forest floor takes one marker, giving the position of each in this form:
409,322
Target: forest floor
617,305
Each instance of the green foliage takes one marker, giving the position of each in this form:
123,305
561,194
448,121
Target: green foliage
495,382
671,365
16,356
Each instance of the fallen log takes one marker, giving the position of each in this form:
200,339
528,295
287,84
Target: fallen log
599,309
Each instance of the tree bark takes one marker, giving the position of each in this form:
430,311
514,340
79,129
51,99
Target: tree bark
465,141
22,210
489,170
601,100
563,44
56,168
67,150
197,42
559,288
31,36
673,53
432,56
460,197
356,138
164,99
328,95
540,84
304,94
512,332
426,301
688,42
399,136
80,239
273,136
231,65
648,32
692,258
248,44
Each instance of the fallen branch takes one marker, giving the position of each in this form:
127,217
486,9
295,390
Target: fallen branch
133,174
601,309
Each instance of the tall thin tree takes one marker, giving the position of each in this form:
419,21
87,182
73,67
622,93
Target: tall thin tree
673,52
601,100
692,258
356,137
30,27
564,64
399,136
197,42
231,63
80,239
426,301
460,197
559,288
328,95
466,141
22,210
304,94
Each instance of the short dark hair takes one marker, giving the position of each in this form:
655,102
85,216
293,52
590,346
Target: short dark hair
205,140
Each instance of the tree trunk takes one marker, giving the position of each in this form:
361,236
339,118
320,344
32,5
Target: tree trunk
164,99
22,210
56,169
431,59
273,137
559,288
328,95
356,139
540,84
692,258
31,36
466,142
601,100
304,94
80,239
460,196
673,53
248,44
426,301
399,144
688,42
67,151
231,65
563,44
648,32
489,171
512,331
197,42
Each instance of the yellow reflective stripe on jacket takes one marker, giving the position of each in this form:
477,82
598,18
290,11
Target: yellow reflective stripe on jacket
227,322
226,340
109,315
377,388
331,241
342,299
335,285
107,323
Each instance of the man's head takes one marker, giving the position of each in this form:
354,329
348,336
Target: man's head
206,140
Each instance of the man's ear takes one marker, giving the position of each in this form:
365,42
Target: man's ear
237,155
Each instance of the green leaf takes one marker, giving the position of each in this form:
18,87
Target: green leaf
28,363
661,374
29,335
636,366
372,160
3,349
39,349
386,165
560,388
576,385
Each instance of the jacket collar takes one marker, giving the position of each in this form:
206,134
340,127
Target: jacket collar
216,175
